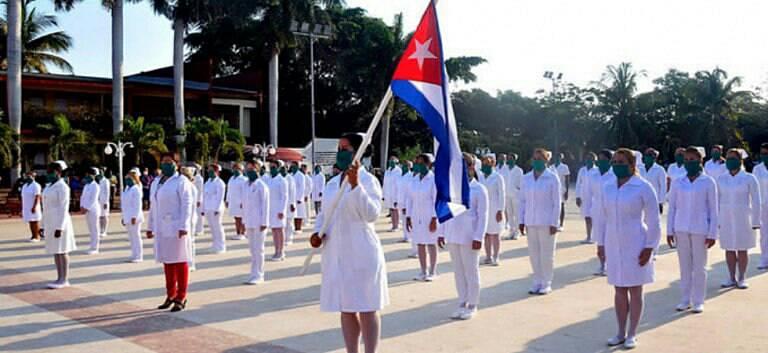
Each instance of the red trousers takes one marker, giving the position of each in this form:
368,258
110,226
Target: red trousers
176,280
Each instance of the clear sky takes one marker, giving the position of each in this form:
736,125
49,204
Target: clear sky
520,38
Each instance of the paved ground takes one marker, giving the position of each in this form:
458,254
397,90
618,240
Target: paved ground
110,306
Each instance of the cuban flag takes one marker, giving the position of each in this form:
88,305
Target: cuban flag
420,81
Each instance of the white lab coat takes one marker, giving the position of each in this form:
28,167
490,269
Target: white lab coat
675,171
740,210
278,201
213,204
291,182
761,173
104,194
715,169
354,273
594,202
391,177
403,197
307,194
28,194
199,191
213,198
471,225
89,198
420,209
630,224
540,200
318,184
693,207
256,204
563,172
583,189
301,190
171,207
657,176
130,204
235,190
56,206
494,184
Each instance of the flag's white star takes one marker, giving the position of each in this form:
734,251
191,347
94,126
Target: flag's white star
422,52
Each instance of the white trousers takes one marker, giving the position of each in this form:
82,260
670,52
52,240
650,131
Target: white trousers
134,237
764,238
692,253
199,222
290,229
217,231
92,219
103,222
511,208
256,245
466,271
541,250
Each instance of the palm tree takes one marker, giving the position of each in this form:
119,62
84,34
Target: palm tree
226,139
7,145
13,88
66,140
39,49
197,130
618,87
715,93
460,68
146,137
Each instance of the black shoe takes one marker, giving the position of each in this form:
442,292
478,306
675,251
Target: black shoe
167,304
178,306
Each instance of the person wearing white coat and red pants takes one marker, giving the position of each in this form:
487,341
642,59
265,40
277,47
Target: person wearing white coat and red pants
463,236
90,205
354,272
692,227
132,215
213,207
628,235
255,219
761,173
740,211
539,219
494,184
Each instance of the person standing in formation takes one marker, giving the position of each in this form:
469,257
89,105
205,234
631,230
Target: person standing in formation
308,186
189,173
57,224
104,201
563,174
91,207
464,239
256,219
513,176
301,191
170,219
199,184
278,208
354,273
655,174
233,200
318,183
291,214
715,166
539,211
740,211
692,226
391,175
213,206
583,192
132,215
627,235
494,183
677,169
594,201
421,219
761,173
31,200
403,187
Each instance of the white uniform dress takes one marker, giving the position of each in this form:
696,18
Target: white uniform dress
540,202
583,190
278,201
391,177
494,184
256,216
130,206
675,171
354,273
104,194
289,226
512,179
594,202
740,210
308,186
318,184
715,169
29,192
235,192
301,191
421,209
171,207
213,205
658,179
199,188
460,232
563,172
56,206
403,197
89,201
630,224
761,173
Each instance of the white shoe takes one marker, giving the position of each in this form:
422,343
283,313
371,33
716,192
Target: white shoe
58,285
728,284
600,272
192,268
422,277
277,258
92,252
742,284
615,341
630,343
37,240
103,235
253,281
488,261
762,267
698,309
559,229
413,256
535,289
218,252
544,290
457,314
429,278
468,313
290,242
683,306
495,262
136,261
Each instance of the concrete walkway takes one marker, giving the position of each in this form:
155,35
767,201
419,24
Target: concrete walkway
110,307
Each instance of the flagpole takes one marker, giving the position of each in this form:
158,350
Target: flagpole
328,212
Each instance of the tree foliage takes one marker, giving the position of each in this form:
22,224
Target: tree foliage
66,142
145,137
39,47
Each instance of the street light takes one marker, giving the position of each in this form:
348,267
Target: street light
316,32
119,149
264,151
556,81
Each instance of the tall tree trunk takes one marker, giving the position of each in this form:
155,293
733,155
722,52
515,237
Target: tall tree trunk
13,87
117,67
273,99
385,124
178,83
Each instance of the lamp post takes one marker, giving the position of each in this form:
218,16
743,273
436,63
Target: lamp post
119,149
556,79
317,32
264,151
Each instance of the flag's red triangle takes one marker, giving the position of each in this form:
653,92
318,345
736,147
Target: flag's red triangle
422,59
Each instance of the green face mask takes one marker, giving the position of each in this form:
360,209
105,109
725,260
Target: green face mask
648,161
99,177
589,163
236,173
252,175
294,169
211,174
28,179
343,159
693,168
732,163
128,182
621,170
764,159
87,179
679,159
538,165
168,169
318,170
263,171
391,164
603,165
511,162
486,169
283,171
557,162
51,177
420,169
274,171
716,155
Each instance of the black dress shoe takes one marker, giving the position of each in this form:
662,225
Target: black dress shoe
178,306
167,304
